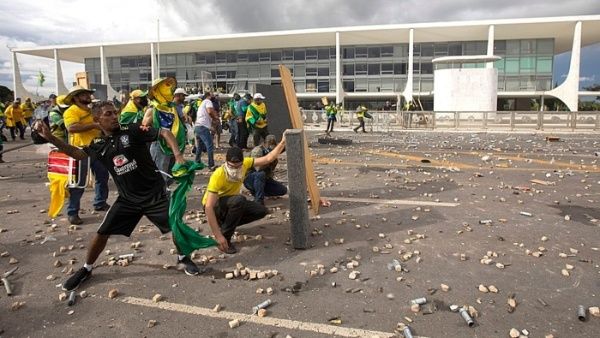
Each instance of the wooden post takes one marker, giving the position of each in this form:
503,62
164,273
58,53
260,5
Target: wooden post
299,221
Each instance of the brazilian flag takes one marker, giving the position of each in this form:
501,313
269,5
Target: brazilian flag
165,117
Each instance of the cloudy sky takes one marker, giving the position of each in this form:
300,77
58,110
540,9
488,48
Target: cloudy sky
28,23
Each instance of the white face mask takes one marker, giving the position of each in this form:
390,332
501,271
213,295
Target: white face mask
233,174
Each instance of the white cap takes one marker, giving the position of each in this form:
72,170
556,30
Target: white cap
259,96
180,91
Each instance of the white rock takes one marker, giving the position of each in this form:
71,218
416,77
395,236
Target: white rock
483,288
157,298
229,275
493,289
234,323
444,287
514,333
354,274
594,311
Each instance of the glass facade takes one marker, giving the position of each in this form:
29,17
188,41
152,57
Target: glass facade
525,65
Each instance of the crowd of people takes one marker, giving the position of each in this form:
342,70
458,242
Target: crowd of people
139,146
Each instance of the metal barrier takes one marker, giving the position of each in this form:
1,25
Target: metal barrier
385,121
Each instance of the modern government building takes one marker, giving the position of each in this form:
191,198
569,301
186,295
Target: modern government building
483,65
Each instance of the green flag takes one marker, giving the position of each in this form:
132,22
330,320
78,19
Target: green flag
186,238
41,79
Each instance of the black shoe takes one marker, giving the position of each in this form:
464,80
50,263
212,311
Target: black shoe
231,249
75,220
190,269
105,207
74,281
356,131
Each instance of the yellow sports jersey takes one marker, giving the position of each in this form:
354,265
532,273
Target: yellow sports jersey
219,184
77,115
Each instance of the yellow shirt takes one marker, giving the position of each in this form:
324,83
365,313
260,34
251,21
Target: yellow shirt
14,115
219,184
77,115
28,109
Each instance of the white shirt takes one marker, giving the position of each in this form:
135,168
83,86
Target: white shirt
203,118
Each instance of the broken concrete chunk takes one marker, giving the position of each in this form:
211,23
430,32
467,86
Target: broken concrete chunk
594,311
217,308
234,323
493,289
13,260
83,294
565,272
157,298
62,296
262,313
113,293
415,308
483,288
354,274
152,323
229,275
444,287
514,333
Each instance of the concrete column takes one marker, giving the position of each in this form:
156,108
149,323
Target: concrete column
408,90
16,76
338,71
60,88
152,62
490,46
568,91
103,69
297,188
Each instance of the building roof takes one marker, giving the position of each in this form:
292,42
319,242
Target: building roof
559,28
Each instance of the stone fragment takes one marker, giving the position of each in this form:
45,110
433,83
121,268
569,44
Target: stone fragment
565,272
594,311
390,296
333,269
13,260
83,294
354,274
493,289
229,275
514,333
234,323
152,323
16,306
262,313
62,296
444,287
483,288
113,293
415,308
270,291
217,308
157,298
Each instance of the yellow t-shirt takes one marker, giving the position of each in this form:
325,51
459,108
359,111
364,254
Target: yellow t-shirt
77,115
219,184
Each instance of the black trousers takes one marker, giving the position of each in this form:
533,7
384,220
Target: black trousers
21,127
236,210
259,135
242,135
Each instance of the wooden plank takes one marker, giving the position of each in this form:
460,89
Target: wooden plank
296,117
277,110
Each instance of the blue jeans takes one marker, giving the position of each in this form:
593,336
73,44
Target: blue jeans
203,136
75,194
260,186
163,161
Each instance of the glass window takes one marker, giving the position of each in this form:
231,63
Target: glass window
361,52
242,57
311,86
221,57
416,68
275,72
300,86
374,85
512,66
387,51
323,86
426,49
545,46
416,49
210,58
253,57
527,83
544,65
512,83
231,57
348,86
387,84
427,85
527,46
171,60
440,49
264,56
253,71
311,71
426,68
527,64
360,85
387,68
299,55
276,56
348,53
323,71
311,54
499,64
400,68
543,83
348,69
300,70
374,69
288,54
360,69
500,47
323,54
455,48
513,47
374,52
332,53
401,51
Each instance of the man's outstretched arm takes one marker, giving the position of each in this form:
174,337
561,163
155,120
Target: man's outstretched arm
68,149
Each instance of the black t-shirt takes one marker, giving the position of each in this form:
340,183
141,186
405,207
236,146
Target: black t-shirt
126,156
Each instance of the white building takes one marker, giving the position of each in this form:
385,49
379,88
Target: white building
354,64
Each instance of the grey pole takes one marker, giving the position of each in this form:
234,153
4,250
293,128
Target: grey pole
294,145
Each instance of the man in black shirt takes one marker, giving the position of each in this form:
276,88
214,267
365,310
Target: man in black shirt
124,153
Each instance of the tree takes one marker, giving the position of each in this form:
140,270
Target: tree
6,94
594,88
